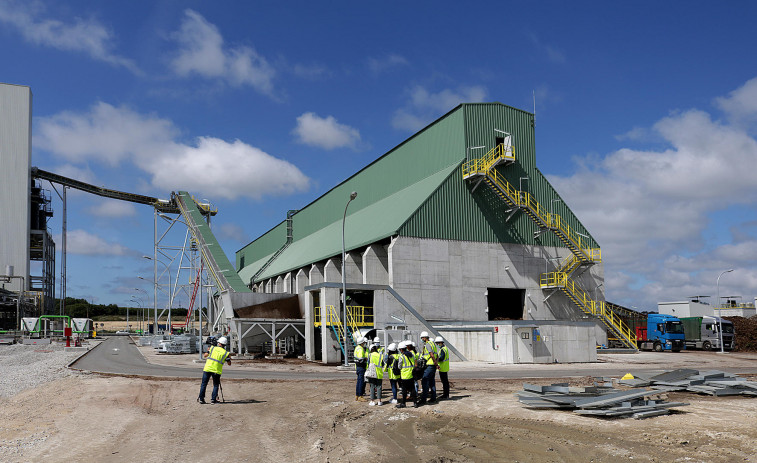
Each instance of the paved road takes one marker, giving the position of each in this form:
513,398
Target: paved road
119,355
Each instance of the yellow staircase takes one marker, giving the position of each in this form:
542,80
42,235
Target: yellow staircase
483,170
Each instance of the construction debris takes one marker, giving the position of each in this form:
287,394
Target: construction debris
712,382
599,400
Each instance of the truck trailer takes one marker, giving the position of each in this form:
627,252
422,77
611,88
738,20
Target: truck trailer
702,333
660,333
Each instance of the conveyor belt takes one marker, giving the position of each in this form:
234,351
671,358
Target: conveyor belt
218,264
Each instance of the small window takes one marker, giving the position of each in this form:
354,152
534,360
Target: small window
525,335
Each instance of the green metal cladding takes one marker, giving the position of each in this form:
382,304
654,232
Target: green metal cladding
452,211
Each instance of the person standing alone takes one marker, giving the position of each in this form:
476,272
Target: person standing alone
443,365
216,356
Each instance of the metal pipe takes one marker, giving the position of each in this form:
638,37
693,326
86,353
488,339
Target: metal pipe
353,195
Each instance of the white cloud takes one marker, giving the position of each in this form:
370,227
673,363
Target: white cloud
651,210
424,106
212,167
113,208
553,54
84,243
741,104
231,231
202,52
87,36
384,63
325,133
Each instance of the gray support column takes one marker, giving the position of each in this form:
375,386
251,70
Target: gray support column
279,285
353,267
309,327
332,271
316,273
375,265
300,281
330,351
287,286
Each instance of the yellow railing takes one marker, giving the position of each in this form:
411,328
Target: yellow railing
357,316
542,216
582,299
483,164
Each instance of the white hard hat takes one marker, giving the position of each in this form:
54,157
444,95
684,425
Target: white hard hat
361,340
424,334
223,340
410,343
402,345
392,346
439,339
376,340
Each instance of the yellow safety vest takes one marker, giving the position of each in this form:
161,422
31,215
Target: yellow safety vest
216,358
428,348
406,365
360,354
444,362
390,362
375,359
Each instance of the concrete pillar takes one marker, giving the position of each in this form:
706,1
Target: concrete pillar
278,287
353,267
376,265
309,327
332,271
316,273
301,280
330,351
287,285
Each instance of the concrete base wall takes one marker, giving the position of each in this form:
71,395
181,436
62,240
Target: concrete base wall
524,342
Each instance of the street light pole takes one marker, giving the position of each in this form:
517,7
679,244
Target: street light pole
720,319
353,195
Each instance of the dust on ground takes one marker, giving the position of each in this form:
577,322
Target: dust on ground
86,417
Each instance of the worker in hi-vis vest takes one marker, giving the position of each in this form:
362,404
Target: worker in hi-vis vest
443,365
216,356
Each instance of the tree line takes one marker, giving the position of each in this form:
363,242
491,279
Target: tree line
82,308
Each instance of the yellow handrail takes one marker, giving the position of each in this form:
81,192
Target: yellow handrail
560,279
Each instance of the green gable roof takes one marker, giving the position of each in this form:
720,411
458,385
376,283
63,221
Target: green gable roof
364,226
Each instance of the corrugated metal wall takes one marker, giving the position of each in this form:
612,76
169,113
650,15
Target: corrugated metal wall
425,153
454,213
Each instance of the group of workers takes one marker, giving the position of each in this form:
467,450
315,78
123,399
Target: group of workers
404,364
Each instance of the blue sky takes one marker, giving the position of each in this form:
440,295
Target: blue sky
646,118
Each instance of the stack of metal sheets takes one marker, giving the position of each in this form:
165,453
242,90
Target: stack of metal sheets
712,382
599,400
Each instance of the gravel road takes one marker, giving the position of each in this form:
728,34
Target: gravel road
25,367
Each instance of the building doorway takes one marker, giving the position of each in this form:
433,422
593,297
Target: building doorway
505,303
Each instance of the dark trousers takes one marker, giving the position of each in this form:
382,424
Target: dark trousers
445,384
360,386
428,383
408,387
206,375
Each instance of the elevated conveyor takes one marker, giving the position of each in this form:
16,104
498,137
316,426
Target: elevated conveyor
224,274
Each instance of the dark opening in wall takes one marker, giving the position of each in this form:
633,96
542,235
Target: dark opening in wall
505,303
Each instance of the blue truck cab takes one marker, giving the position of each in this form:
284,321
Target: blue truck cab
662,333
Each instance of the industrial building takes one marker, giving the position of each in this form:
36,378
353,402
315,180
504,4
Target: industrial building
27,250
455,231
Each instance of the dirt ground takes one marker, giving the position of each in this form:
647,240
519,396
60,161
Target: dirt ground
88,417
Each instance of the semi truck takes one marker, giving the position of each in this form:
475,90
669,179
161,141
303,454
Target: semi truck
702,333
661,332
